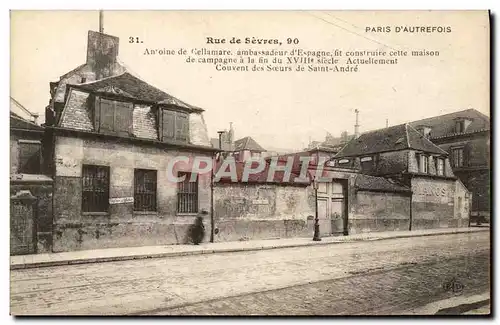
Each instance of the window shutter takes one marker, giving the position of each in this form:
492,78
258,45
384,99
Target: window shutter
168,124
107,115
182,127
123,118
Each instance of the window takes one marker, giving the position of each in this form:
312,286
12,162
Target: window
440,166
175,126
366,163
458,157
424,164
144,190
460,127
95,189
29,157
115,117
187,194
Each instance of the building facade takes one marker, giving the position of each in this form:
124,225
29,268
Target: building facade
118,145
465,136
403,156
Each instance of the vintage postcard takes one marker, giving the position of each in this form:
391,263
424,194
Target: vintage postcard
250,163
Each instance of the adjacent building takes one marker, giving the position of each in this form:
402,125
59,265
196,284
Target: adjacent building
402,155
30,187
465,136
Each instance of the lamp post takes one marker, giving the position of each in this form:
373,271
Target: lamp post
212,185
316,220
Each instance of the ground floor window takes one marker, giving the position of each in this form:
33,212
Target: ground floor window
144,190
187,194
95,188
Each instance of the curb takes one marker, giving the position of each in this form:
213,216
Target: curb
219,251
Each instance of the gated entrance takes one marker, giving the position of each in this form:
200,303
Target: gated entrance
22,223
332,208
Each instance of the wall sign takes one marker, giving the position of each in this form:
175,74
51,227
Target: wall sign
118,200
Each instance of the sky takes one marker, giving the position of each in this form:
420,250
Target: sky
279,110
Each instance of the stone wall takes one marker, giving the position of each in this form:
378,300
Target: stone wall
258,211
122,226
433,204
43,211
379,211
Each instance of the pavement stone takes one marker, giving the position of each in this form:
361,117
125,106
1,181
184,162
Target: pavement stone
147,286
131,253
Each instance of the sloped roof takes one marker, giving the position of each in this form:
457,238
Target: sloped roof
374,183
393,138
444,125
226,146
130,86
247,143
17,122
261,177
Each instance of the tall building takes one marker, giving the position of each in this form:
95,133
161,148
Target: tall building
465,136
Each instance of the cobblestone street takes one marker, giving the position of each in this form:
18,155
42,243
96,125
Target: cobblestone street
384,277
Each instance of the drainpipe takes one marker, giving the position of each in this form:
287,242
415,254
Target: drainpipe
212,185
411,205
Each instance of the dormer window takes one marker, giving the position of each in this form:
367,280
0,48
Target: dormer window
366,163
461,124
174,126
424,130
440,166
114,117
423,164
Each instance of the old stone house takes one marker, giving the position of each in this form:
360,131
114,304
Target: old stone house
404,156
465,136
114,140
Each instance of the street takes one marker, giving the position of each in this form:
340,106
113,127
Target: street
363,278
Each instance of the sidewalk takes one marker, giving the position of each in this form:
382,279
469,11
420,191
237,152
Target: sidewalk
129,253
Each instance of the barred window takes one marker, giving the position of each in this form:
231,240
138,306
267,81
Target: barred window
95,188
187,194
144,190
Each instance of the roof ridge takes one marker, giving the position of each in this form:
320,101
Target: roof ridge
442,115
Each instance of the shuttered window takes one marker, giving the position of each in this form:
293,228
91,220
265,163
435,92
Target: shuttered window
95,188
115,117
175,126
187,194
144,190
29,157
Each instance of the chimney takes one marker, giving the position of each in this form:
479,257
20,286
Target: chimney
102,53
101,22
35,118
230,136
386,122
356,126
